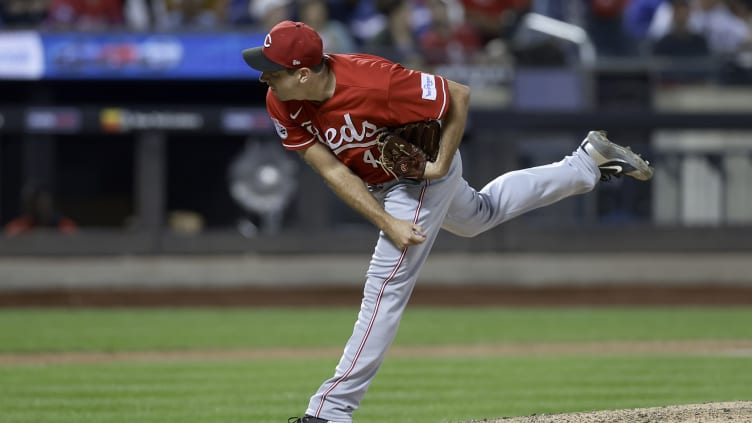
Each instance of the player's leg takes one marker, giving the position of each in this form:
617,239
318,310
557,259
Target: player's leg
514,193
389,283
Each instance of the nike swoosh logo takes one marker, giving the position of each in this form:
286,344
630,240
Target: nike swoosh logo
295,115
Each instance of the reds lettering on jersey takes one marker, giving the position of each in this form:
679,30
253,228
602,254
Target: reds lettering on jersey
371,94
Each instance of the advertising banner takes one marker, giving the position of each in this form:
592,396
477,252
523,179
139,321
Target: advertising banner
124,120
53,120
21,55
125,55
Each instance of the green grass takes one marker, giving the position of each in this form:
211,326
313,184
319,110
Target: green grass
24,330
406,390
431,389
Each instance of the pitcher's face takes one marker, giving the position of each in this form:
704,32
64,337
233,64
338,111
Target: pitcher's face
285,84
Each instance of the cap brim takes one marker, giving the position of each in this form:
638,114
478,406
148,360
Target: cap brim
256,59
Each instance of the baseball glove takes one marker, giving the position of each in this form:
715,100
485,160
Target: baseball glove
406,149
424,134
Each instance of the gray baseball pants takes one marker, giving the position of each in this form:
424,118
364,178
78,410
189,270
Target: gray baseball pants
451,204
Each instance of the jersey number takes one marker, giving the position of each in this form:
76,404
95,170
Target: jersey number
368,158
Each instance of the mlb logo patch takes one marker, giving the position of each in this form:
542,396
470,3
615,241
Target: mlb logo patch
281,130
428,85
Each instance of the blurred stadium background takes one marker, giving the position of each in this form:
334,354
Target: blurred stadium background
135,151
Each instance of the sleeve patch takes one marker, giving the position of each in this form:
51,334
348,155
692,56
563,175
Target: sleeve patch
281,130
428,85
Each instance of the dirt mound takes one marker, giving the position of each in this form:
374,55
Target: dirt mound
727,412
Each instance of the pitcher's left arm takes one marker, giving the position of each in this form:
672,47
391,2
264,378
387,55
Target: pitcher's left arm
452,129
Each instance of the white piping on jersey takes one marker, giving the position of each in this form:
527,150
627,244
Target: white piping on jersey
293,146
353,145
444,99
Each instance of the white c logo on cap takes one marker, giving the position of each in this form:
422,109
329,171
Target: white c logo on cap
268,40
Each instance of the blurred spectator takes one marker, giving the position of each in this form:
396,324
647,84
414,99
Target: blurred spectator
724,31
604,24
138,14
194,14
448,38
494,19
738,69
638,14
360,16
334,34
681,41
23,13
86,14
267,13
39,212
238,13
396,41
743,10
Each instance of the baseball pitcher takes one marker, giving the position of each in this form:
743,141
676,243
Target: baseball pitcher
385,139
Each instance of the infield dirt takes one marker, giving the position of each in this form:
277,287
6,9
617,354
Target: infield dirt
720,412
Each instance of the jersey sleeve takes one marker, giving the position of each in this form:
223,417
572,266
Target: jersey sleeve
416,96
292,135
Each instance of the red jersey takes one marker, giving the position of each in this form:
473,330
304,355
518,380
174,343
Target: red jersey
371,94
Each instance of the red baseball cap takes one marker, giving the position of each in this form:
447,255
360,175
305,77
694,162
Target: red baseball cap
289,45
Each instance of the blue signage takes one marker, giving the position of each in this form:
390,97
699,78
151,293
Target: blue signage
147,55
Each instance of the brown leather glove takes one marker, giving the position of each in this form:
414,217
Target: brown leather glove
424,134
405,149
400,158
